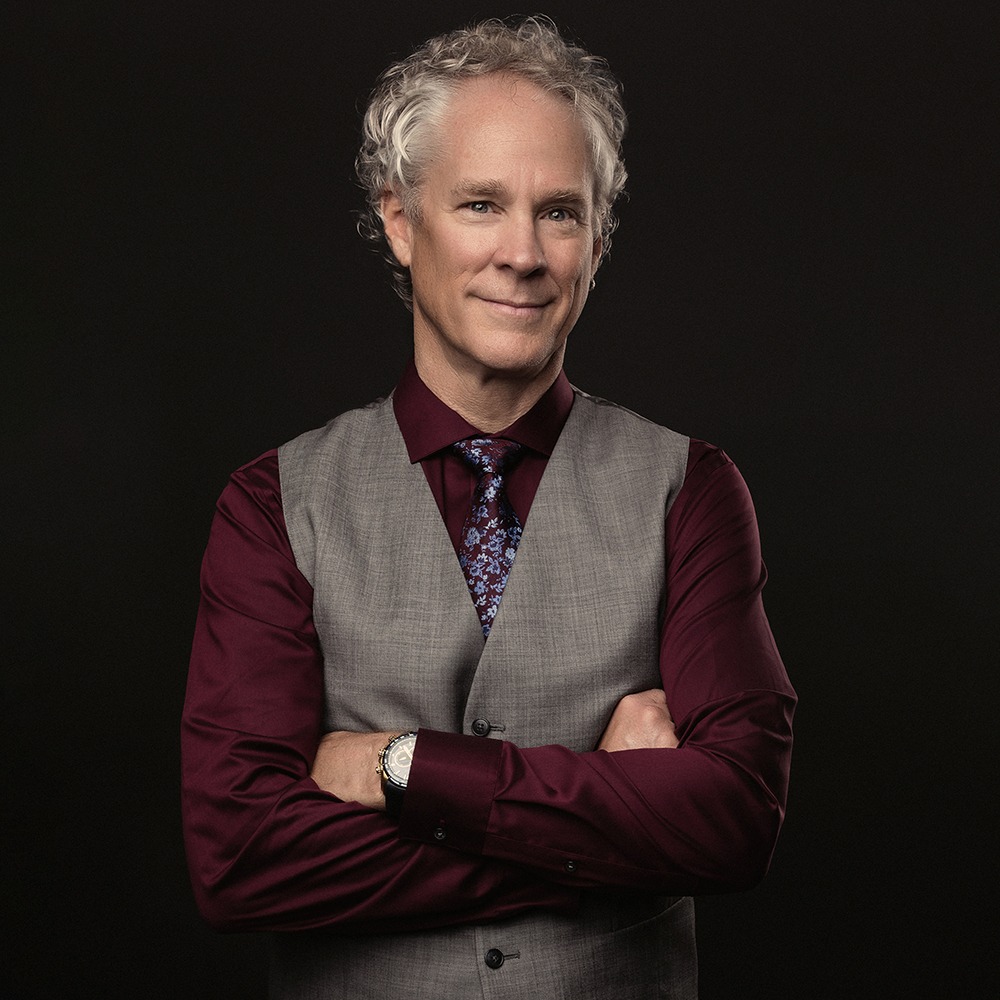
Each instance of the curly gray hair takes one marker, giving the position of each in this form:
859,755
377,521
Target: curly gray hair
411,97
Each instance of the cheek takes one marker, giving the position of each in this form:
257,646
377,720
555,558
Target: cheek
580,270
473,253
453,258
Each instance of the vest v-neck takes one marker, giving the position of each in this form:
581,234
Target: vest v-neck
401,640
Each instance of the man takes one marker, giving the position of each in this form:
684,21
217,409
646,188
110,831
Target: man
608,738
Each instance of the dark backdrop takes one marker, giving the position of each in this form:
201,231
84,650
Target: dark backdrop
804,275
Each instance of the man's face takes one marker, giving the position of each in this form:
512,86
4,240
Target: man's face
502,255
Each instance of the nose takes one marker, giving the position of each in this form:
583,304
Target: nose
518,245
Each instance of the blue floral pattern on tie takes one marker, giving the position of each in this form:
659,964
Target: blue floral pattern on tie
492,530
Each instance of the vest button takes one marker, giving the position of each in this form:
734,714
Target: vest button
481,727
494,958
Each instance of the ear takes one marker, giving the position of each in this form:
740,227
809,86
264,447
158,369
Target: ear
397,226
595,261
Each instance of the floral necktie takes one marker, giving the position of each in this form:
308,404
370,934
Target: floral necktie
491,530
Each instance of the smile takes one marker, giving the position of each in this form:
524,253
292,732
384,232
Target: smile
515,308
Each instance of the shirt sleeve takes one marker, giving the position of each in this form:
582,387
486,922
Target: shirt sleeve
699,818
267,848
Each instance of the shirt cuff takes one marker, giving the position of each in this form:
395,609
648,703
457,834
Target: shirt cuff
449,794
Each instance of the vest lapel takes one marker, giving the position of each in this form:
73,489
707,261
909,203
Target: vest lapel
418,520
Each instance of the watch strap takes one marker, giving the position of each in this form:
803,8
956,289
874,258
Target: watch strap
394,795
392,791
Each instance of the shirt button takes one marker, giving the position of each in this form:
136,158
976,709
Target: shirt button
481,727
439,833
494,958
570,866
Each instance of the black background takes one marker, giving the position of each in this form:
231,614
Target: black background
805,274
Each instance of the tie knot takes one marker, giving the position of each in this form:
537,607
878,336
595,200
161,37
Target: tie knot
488,455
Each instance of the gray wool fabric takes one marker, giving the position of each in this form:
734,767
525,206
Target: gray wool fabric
578,627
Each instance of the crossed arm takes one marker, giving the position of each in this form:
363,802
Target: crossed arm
346,763
278,837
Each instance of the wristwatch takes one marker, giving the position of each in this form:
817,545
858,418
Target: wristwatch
394,769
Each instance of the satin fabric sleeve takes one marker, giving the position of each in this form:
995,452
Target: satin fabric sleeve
267,848
703,817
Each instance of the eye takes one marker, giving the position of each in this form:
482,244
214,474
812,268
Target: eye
479,207
560,215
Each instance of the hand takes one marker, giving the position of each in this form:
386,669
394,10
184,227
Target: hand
346,765
639,722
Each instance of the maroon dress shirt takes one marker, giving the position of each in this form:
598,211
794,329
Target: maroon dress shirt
488,829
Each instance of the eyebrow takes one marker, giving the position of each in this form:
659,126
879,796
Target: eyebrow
467,188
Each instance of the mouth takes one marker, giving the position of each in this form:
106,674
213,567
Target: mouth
513,307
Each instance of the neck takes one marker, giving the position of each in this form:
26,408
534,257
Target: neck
490,401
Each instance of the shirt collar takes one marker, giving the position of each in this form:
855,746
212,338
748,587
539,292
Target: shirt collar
428,425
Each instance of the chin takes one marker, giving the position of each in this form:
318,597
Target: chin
514,360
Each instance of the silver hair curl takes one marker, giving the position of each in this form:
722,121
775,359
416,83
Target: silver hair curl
411,98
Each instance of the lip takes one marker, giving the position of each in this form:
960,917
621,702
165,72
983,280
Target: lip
514,308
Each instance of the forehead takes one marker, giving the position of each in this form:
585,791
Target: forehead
500,124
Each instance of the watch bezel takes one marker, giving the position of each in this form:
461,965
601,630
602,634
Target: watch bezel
388,775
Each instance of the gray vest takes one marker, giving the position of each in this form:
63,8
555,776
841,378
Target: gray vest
577,628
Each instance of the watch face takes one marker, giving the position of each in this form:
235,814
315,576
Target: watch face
398,758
